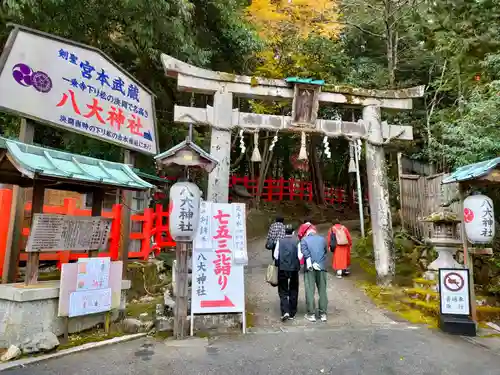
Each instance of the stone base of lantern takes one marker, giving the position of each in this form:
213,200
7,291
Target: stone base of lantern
445,259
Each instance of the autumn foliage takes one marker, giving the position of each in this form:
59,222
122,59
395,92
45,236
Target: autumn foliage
274,18
285,25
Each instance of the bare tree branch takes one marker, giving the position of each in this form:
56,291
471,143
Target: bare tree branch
347,23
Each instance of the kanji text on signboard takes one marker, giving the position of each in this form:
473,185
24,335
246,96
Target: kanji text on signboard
78,89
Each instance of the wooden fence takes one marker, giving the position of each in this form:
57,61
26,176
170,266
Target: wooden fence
277,190
419,197
153,224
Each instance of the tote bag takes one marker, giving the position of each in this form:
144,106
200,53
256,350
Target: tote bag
272,275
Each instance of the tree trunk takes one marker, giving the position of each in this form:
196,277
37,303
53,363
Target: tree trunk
380,210
316,173
267,158
287,164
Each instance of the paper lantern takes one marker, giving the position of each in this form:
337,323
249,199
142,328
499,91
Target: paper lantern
479,219
184,210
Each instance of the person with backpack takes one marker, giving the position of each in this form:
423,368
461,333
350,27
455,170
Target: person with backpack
288,255
340,244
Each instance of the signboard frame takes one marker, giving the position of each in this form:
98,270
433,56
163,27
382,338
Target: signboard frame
465,278
17,29
62,246
207,210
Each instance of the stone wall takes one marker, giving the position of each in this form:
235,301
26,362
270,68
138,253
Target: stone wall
26,311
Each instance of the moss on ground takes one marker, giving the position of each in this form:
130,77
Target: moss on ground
422,294
250,319
88,337
49,276
135,309
391,299
423,281
163,335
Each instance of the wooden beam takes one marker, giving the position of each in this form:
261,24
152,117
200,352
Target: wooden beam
220,148
194,79
252,121
97,201
33,263
126,201
12,246
468,261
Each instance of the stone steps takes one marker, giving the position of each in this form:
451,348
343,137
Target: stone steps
424,297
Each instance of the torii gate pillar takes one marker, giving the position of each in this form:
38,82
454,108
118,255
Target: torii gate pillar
220,147
378,196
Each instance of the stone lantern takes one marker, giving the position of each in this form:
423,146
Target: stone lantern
445,239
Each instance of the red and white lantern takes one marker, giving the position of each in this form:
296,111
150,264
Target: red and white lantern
479,219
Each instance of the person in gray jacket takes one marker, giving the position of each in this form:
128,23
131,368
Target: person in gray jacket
314,249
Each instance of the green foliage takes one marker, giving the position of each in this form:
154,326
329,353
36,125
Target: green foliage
134,33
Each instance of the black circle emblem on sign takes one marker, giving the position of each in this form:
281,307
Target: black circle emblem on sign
454,282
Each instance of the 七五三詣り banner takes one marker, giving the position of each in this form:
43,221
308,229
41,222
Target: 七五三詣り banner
76,88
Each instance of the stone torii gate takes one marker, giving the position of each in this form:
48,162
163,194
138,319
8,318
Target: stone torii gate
306,96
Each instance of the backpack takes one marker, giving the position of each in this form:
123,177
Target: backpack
341,236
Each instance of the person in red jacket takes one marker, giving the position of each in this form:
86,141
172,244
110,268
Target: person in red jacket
301,232
340,243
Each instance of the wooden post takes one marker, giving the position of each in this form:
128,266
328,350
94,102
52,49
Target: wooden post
107,322
220,148
34,257
181,294
468,261
400,172
66,330
97,199
380,209
12,246
126,200
360,193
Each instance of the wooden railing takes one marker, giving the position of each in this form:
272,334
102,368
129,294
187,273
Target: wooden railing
154,225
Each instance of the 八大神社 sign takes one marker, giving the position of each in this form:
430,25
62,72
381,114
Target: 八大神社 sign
184,210
219,256
479,219
60,232
77,88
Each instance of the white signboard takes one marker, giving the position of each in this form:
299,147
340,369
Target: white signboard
76,88
61,232
479,219
454,291
87,302
93,273
218,279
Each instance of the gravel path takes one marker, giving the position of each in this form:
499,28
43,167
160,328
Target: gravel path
347,305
